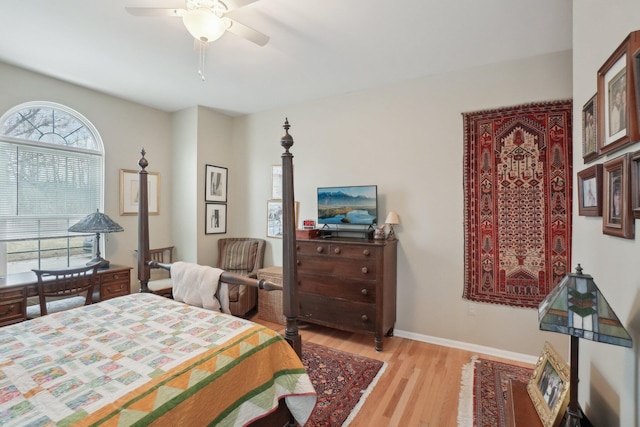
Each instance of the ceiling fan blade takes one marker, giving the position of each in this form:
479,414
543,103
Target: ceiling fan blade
152,11
245,32
236,4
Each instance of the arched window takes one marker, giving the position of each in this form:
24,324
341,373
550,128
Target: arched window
51,176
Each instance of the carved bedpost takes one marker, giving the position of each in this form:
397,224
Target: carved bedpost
143,226
290,269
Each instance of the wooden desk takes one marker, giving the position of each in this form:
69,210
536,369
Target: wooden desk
16,288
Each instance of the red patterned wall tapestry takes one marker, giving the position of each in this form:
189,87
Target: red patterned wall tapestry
517,189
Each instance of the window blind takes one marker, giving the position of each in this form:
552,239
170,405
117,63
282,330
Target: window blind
45,191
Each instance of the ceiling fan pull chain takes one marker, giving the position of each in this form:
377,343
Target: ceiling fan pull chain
201,54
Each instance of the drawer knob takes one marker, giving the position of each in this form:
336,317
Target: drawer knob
319,249
336,251
297,262
365,270
297,247
364,318
366,252
364,291
116,277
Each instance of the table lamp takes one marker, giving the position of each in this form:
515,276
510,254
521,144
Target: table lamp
392,219
576,307
96,223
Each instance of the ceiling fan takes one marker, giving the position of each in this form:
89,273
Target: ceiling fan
206,20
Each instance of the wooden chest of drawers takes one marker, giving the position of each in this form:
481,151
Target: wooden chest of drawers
348,284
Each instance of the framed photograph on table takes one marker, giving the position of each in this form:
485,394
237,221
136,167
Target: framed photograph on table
590,191
215,218
549,386
616,97
215,184
616,204
589,130
129,192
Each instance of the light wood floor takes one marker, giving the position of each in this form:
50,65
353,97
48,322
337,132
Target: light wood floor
421,383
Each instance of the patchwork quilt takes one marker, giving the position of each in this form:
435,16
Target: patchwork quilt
145,360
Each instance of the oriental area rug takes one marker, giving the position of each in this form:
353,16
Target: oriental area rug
483,395
517,202
342,380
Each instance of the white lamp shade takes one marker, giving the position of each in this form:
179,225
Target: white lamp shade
203,24
392,218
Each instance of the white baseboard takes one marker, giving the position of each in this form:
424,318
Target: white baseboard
474,348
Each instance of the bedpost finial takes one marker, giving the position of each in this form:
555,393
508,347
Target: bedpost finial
143,163
287,140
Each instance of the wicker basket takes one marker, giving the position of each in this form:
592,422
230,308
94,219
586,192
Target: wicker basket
270,302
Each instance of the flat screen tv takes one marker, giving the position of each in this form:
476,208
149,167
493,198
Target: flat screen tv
355,205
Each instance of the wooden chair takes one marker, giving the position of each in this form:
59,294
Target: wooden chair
160,280
63,289
242,256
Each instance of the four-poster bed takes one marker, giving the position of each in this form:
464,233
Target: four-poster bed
143,359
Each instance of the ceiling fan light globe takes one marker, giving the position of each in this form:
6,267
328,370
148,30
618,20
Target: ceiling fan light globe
203,24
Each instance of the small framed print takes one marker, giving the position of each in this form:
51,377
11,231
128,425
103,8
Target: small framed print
589,129
275,225
590,191
130,189
617,119
276,182
275,218
616,210
549,386
215,184
215,218
634,160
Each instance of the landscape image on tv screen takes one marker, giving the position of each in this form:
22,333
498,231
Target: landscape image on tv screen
355,205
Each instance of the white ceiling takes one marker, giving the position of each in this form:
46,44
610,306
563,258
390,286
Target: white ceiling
317,48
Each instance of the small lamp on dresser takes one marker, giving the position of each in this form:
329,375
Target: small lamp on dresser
392,219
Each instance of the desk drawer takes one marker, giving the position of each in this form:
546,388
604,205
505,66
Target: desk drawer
13,306
115,284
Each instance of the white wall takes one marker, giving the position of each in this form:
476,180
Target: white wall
609,375
125,129
408,139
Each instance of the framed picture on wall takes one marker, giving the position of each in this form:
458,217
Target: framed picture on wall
215,218
590,191
589,130
276,182
275,224
634,164
215,184
616,204
549,386
129,192
616,97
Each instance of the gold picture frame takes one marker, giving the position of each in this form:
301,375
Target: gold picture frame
549,386
129,188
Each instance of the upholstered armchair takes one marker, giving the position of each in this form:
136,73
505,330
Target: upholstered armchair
243,256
